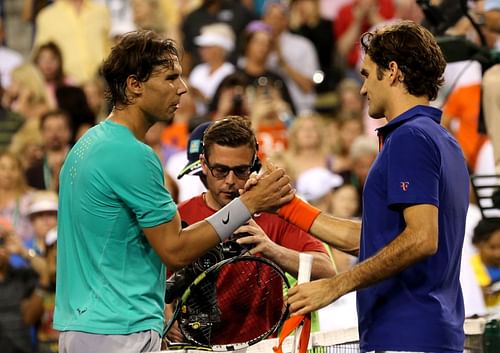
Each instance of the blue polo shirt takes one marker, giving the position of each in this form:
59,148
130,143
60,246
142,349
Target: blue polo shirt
421,308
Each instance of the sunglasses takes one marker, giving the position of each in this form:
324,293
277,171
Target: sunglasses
220,171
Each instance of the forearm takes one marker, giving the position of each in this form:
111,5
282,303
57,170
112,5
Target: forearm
288,260
349,38
305,83
405,250
341,234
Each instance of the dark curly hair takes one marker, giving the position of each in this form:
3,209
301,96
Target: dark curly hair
137,53
415,51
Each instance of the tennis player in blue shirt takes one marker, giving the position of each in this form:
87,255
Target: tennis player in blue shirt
414,207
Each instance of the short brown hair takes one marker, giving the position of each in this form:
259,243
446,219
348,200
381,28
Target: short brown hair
232,131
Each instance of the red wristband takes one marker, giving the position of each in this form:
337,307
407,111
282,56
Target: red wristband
300,213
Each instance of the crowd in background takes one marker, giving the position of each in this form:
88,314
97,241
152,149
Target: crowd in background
291,67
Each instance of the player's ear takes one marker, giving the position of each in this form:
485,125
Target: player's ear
204,167
134,85
395,73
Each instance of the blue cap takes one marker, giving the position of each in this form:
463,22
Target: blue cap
194,149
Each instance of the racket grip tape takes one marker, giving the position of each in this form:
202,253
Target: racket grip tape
305,266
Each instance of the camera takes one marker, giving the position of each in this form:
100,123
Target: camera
180,280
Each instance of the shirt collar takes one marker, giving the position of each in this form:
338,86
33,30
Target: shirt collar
425,111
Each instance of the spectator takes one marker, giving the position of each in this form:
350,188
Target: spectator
81,29
27,94
20,291
215,43
362,154
27,144
266,91
351,103
231,97
121,19
55,127
349,128
462,105
73,101
153,140
43,216
47,336
307,146
256,48
10,123
175,135
491,81
486,263
316,186
42,212
294,58
94,94
354,19
148,15
48,58
188,187
14,195
236,15
306,20
9,59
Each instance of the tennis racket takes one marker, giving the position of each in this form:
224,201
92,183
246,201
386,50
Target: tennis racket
232,305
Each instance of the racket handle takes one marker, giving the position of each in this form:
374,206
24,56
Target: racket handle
304,275
305,266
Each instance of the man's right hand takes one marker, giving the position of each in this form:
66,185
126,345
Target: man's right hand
269,191
174,335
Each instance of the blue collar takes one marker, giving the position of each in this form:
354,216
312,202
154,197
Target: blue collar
425,111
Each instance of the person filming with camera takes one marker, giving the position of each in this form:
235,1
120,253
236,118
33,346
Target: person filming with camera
224,155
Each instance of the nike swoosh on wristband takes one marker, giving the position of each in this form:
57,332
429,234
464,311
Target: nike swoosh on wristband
226,220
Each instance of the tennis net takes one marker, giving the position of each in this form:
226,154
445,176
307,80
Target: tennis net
347,341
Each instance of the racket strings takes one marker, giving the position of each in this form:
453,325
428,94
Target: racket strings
240,302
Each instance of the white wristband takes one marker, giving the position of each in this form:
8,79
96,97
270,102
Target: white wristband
229,218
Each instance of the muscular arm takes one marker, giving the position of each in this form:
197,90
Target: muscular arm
341,234
288,260
178,247
417,241
284,256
